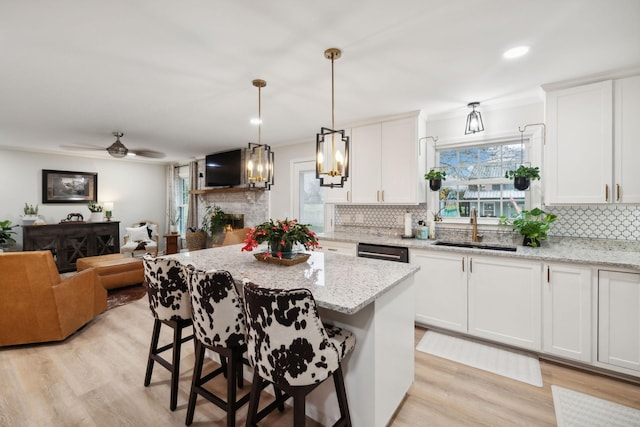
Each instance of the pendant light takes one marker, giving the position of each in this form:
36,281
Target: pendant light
474,120
259,156
332,146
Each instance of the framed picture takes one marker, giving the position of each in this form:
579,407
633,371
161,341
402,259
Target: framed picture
69,187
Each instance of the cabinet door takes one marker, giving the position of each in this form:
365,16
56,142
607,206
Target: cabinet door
619,319
566,302
399,168
579,146
365,159
626,139
504,301
440,289
346,248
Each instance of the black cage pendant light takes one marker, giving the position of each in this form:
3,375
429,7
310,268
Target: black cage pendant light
259,157
332,146
474,120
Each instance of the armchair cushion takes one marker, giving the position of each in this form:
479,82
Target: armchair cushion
138,234
37,306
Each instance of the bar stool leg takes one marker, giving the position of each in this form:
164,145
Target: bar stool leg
155,336
197,374
175,368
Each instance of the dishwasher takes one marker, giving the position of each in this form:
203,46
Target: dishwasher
384,252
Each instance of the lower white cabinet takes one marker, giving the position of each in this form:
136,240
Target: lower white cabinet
566,295
619,319
440,289
504,301
346,248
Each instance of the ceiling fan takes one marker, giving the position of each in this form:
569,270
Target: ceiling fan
118,149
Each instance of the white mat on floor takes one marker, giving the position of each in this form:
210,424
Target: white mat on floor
575,409
509,364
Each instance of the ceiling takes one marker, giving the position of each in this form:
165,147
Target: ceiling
176,76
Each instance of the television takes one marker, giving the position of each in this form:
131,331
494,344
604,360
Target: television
224,169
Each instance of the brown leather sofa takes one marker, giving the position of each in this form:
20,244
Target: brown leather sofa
37,306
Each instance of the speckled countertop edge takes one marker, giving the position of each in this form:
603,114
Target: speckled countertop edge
593,252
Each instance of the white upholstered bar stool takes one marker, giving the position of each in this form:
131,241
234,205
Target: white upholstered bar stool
171,306
289,347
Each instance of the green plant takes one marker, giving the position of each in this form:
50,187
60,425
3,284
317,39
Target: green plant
214,220
5,234
281,232
524,171
30,209
94,207
435,175
533,224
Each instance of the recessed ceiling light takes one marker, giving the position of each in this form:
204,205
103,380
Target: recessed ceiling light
255,121
516,52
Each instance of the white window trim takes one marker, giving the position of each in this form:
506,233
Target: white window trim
533,197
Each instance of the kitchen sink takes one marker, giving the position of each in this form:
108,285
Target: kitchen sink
476,246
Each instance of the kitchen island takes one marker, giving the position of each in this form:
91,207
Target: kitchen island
371,298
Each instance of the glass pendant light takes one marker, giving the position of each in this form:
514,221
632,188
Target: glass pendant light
474,120
259,157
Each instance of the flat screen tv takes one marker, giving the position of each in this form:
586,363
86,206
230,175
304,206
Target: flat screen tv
224,169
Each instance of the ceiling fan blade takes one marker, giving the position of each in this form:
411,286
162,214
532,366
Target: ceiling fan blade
148,153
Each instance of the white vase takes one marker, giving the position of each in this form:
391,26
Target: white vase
96,217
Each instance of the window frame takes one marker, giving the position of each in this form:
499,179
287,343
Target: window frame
533,141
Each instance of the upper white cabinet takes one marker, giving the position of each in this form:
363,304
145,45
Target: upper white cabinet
592,142
579,146
566,302
386,164
626,137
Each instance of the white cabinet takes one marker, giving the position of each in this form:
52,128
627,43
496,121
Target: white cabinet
566,302
346,248
579,145
386,163
440,289
626,111
504,301
592,143
619,319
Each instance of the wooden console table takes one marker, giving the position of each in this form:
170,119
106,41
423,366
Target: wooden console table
71,241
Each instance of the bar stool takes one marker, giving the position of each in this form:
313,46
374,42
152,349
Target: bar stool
219,325
171,306
289,347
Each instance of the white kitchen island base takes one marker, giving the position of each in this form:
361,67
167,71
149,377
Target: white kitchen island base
381,368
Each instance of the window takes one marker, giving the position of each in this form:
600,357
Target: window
308,205
476,179
182,197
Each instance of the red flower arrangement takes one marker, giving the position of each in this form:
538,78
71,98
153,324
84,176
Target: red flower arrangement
280,234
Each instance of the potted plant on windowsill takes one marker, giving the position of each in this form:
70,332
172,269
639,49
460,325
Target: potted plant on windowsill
522,176
281,236
533,225
435,179
6,241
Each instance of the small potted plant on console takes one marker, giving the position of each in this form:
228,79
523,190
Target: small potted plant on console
522,176
435,179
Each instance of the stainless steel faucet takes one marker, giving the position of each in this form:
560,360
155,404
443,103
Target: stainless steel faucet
474,221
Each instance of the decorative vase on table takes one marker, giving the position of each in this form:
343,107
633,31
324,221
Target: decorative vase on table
96,217
281,251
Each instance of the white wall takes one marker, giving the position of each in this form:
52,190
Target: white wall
136,188
281,192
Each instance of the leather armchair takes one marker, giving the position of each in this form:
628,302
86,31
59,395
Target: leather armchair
36,305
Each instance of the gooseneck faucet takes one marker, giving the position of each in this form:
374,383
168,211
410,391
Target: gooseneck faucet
474,221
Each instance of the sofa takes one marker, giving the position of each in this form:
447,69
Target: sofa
36,305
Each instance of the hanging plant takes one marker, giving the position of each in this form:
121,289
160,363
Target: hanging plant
522,176
435,179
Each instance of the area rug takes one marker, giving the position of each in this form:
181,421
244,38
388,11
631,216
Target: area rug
575,409
121,296
510,364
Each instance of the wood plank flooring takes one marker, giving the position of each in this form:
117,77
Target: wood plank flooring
95,378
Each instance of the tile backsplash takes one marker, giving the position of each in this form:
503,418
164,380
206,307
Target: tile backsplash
617,222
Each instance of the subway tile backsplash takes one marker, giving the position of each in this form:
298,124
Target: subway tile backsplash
616,222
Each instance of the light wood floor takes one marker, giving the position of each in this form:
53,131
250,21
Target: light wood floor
95,378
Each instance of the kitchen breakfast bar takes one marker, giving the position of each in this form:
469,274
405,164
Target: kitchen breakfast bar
373,299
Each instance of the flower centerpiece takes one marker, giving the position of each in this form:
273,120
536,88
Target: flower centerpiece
281,235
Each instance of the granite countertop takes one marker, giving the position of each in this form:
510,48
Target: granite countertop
338,282
600,252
